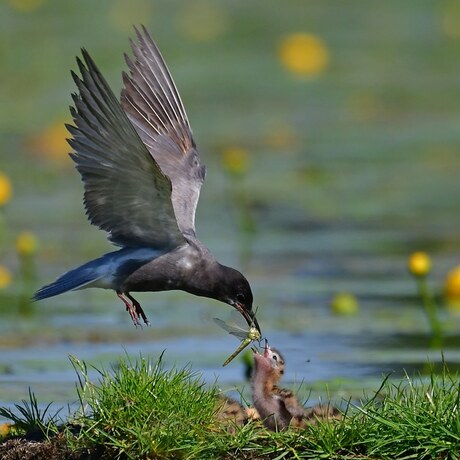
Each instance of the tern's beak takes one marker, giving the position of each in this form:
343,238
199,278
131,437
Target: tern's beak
248,315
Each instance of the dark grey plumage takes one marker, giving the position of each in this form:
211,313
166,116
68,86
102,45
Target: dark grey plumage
142,179
163,127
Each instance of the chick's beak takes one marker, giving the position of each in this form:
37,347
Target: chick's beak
266,349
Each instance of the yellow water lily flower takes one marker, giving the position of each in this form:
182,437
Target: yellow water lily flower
419,263
6,190
5,277
452,285
235,160
303,54
52,142
25,6
345,304
26,244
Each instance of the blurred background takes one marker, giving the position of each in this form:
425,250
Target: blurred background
331,133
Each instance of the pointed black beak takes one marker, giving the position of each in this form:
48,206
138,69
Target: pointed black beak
248,315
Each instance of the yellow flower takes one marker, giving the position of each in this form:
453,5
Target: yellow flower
6,190
235,160
25,6
452,285
202,21
344,304
5,277
303,54
26,244
52,142
419,263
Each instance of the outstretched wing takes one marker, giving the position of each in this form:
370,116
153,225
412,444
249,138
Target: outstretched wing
126,193
153,105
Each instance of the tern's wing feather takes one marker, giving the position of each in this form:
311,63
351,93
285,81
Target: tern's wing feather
126,193
153,105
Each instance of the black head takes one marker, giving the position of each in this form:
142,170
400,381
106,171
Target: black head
235,290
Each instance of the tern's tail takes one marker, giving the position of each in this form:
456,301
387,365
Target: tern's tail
74,279
102,272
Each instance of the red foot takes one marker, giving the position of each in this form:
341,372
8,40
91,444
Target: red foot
139,310
133,307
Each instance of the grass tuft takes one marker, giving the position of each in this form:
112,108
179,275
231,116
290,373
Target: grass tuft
415,419
140,410
29,419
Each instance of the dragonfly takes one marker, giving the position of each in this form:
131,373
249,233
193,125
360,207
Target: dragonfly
246,336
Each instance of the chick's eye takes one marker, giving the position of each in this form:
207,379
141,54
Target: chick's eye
240,297
275,358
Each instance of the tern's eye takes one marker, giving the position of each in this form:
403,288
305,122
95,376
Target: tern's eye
240,298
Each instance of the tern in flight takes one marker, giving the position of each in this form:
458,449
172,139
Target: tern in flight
142,177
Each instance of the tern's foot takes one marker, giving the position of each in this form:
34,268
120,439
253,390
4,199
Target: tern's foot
139,310
134,309
134,316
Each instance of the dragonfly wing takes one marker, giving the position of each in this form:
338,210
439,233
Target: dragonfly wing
235,331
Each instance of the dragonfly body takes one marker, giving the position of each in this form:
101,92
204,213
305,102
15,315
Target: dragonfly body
246,336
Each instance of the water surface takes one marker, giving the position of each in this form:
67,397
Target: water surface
348,173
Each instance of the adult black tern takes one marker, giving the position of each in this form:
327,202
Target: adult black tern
142,177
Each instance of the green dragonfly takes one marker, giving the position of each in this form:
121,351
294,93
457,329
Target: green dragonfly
246,336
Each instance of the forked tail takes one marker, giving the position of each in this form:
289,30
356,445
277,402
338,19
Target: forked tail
102,272
74,279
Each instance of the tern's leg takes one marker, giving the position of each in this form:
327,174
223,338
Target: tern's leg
130,308
139,310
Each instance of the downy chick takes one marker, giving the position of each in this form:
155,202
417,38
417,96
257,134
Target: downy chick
279,407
